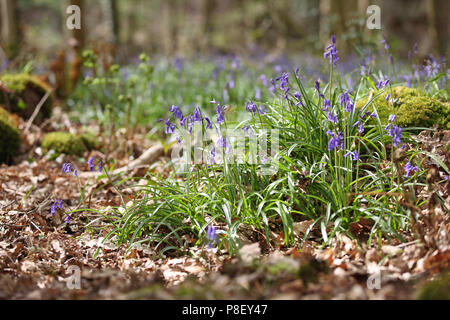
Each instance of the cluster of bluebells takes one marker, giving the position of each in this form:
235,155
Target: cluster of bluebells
336,140
432,67
331,53
57,204
253,108
211,235
394,131
91,164
382,83
68,168
345,99
353,155
284,83
409,168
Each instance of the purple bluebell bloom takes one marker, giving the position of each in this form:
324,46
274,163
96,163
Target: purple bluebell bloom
284,83
176,112
332,118
170,127
386,45
67,167
251,107
197,114
382,83
208,123
298,96
409,168
220,116
211,235
336,141
317,86
331,52
326,105
222,142
53,208
248,130
75,172
91,163
262,110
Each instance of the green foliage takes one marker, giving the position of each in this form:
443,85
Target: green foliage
9,136
413,108
26,89
63,142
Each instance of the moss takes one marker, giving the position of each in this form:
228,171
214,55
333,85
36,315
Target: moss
90,141
24,93
413,109
9,136
438,289
63,142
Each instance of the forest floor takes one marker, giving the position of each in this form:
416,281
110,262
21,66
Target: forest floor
37,249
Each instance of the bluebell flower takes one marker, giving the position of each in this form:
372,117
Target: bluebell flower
67,167
297,72
284,83
248,130
53,208
91,163
220,117
317,86
382,83
326,105
75,172
298,96
251,107
170,127
386,45
100,167
222,142
208,123
211,235
262,110
336,141
349,106
409,168
176,112
361,128
197,114
332,118
331,52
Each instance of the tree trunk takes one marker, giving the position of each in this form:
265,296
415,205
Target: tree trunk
10,29
112,19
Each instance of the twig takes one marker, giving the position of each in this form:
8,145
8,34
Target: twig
36,110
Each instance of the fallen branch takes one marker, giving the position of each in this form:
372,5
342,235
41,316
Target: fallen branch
148,157
36,111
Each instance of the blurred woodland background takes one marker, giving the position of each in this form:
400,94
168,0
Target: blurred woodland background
191,28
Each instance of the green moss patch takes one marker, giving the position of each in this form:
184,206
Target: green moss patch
63,142
413,109
9,136
23,94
